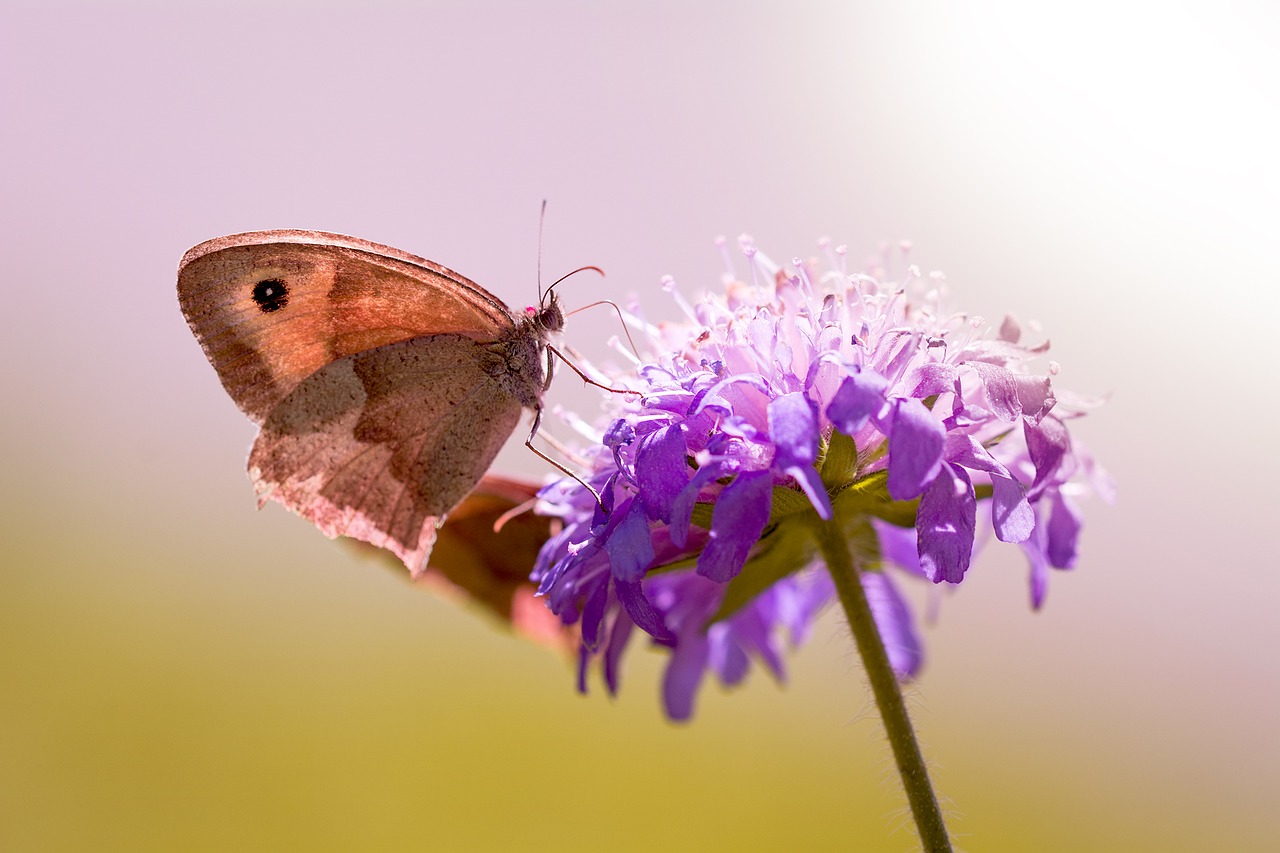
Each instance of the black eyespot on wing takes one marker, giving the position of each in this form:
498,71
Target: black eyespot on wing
271,294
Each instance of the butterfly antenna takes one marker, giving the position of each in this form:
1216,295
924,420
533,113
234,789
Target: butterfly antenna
542,218
575,272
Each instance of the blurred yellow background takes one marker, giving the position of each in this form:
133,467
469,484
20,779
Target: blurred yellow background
179,672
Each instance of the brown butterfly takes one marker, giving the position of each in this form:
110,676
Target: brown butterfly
383,384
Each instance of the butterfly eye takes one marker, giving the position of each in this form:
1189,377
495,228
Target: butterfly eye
271,294
551,318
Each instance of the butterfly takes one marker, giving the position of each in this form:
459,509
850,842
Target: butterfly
383,384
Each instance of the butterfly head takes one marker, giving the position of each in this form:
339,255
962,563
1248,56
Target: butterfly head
548,319
547,316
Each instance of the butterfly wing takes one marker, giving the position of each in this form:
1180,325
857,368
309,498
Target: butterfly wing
380,445
271,308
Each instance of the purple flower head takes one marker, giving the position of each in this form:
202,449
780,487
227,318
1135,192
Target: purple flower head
807,396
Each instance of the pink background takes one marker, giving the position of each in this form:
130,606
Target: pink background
179,672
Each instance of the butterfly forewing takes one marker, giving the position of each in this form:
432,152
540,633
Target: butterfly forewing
272,307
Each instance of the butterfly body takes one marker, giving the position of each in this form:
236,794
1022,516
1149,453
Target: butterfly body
384,384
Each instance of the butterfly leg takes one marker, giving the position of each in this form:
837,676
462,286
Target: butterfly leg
537,422
585,378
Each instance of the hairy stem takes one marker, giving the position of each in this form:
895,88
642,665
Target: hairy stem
834,545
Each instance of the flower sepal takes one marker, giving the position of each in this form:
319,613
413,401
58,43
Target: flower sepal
838,462
869,495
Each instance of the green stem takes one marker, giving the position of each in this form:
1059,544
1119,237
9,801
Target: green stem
893,710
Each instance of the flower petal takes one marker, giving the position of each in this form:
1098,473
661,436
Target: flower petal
633,600
682,507
584,658
727,396
793,428
1065,522
932,378
893,621
593,611
963,449
602,514
740,515
1011,514
899,545
684,674
753,628
1034,548
630,547
1010,329
1047,444
662,470
1035,395
945,524
613,653
1001,387
728,659
916,440
811,483
859,398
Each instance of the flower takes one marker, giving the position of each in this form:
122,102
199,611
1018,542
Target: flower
807,396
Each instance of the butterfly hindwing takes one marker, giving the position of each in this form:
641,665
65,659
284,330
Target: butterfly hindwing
380,445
